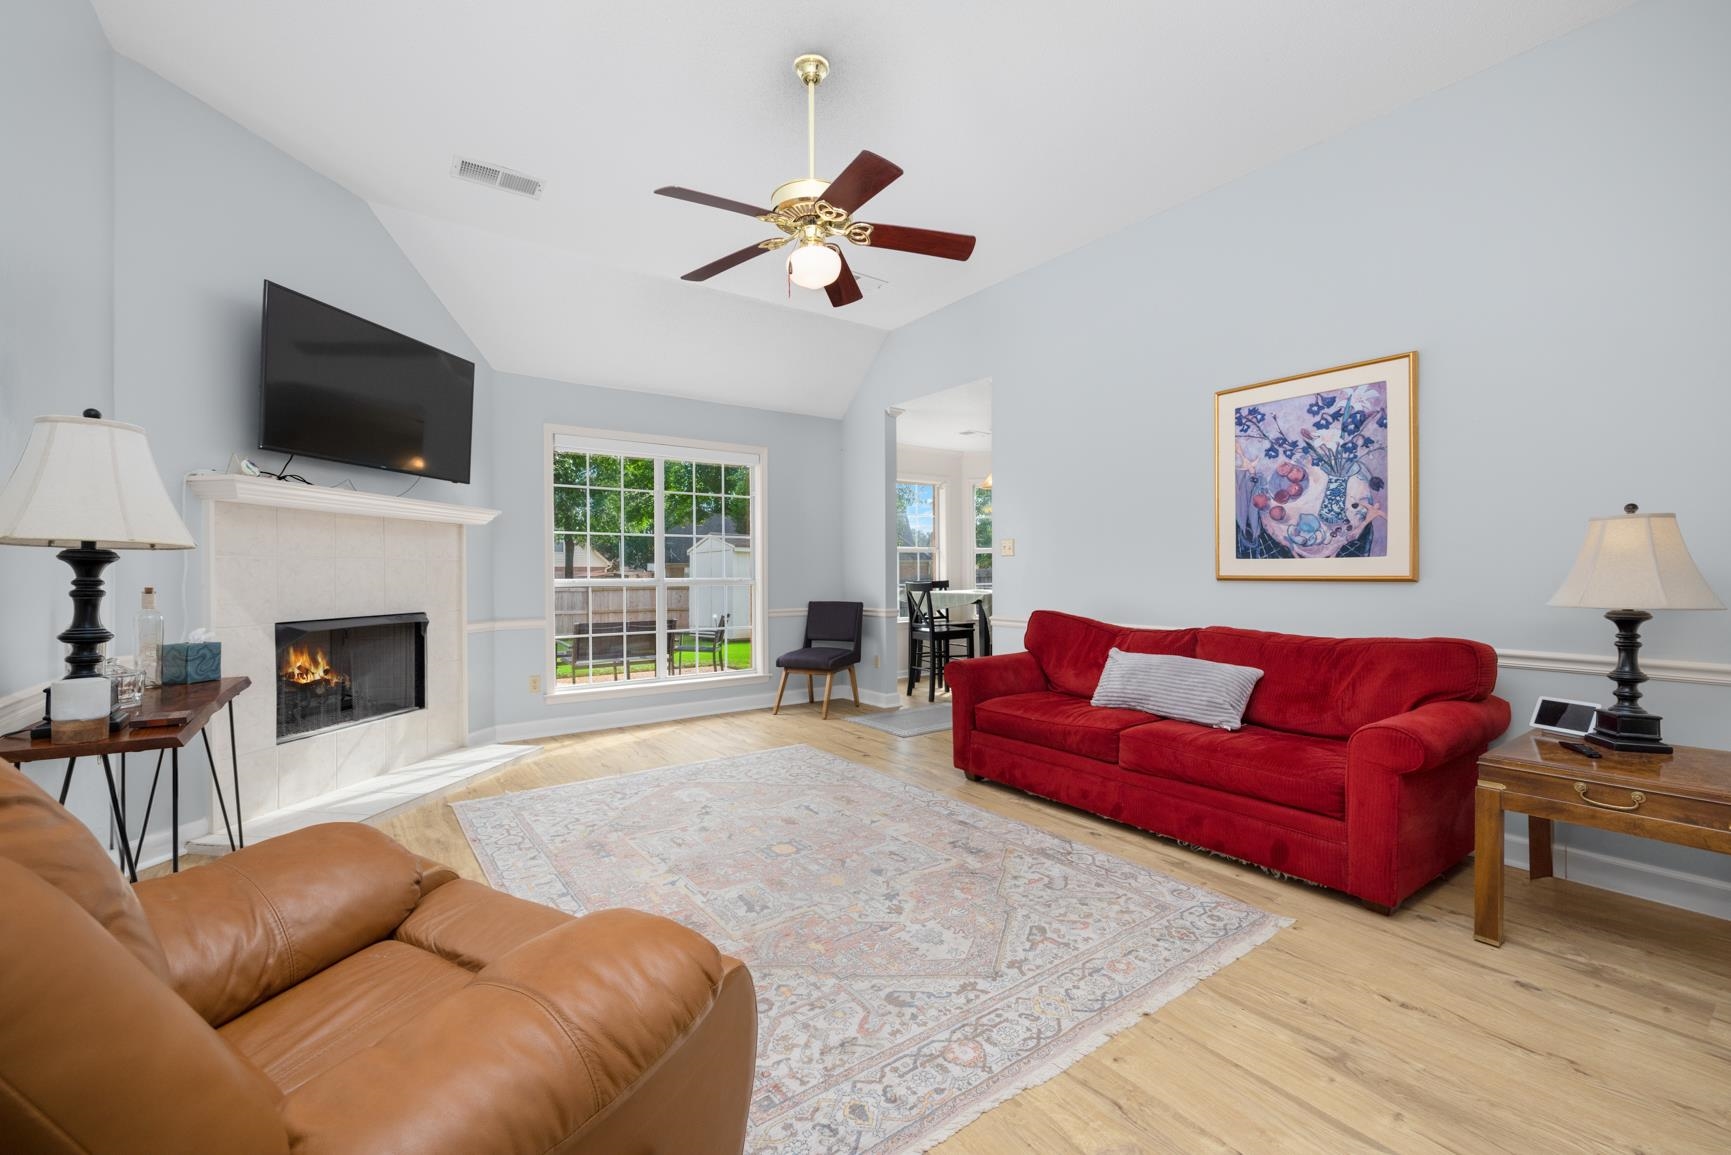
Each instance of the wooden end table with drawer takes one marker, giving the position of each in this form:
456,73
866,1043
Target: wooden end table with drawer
1682,797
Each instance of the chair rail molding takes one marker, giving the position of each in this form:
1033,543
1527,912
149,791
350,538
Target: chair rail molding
502,625
1594,665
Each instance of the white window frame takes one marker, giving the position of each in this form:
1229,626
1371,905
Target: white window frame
661,447
939,527
974,548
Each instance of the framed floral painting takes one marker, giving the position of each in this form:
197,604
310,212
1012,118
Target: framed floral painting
1316,476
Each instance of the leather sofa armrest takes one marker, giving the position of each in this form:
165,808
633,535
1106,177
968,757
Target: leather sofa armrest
255,922
543,1042
1430,736
976,680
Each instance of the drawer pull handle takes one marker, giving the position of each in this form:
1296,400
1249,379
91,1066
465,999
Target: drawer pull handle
1635,799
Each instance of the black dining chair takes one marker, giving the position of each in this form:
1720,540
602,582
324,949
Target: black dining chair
833,635
931,638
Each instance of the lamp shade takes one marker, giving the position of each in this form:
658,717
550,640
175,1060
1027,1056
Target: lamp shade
1636,562
84,479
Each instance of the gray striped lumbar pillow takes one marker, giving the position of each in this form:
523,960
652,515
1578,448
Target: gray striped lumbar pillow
1188,689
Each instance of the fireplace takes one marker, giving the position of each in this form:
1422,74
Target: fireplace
337,672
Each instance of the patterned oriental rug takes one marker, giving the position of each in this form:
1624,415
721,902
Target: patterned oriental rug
918,960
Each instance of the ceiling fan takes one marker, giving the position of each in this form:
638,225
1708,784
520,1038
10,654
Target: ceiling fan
813,212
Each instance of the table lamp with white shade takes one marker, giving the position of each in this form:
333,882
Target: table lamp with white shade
90,487
1629,566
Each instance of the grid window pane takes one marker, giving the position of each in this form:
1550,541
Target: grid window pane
738,480
983,570
569,468
676,515
604,471
916,513
678,476
639,473
603,511
738,510
570,509
708,477
639,512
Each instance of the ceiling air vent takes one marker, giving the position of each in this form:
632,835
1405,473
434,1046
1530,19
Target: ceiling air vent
494,176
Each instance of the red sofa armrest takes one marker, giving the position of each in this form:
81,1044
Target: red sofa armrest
1409,795
975,680
1427,737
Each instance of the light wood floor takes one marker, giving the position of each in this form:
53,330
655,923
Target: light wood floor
1603,1024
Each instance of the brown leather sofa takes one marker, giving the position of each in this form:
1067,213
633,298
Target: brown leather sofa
328,991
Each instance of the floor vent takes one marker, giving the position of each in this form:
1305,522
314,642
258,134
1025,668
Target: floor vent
494,176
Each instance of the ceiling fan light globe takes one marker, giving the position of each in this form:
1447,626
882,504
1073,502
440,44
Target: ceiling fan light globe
814,266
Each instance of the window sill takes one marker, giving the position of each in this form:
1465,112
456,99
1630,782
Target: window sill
631,690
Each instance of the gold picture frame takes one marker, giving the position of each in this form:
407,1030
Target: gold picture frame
1309,474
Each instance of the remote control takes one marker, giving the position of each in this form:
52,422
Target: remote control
1582,749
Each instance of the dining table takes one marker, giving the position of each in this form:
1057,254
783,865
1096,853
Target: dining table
960,606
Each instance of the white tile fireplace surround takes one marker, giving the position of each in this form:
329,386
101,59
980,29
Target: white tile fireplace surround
279,552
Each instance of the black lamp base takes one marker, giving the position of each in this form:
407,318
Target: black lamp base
1635,734
85,635
1626,726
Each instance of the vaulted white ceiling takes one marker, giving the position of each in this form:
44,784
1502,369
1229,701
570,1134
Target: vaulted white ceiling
1037,126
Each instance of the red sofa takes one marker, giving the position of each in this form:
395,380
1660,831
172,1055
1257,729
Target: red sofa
1355,767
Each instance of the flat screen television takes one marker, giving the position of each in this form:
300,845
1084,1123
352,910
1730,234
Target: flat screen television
337,386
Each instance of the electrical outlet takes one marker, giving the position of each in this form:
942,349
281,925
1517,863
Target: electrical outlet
534,683
877,661
1007,547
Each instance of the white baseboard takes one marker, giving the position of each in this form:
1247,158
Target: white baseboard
1697,892
155,848
884,699
483,737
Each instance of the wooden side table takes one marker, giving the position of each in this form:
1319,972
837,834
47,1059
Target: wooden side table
202,700
1682,797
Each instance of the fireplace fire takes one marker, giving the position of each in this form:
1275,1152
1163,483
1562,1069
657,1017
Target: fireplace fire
340,672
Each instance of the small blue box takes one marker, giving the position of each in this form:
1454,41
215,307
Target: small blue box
184,662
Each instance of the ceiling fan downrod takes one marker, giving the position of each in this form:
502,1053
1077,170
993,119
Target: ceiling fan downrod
811,69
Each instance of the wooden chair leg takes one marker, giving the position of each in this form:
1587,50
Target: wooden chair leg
853,680
779,690
828,685
913,665
811,688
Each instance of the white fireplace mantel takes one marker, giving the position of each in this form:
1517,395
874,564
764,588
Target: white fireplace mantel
238,487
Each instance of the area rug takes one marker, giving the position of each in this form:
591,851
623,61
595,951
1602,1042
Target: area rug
918,960
908,723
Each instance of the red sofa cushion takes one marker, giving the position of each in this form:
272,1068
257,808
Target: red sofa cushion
1329,687
1285,769
1072,650
1058,722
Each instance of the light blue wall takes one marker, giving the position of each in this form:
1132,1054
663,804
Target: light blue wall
205,212
803,528
1550,235
56,280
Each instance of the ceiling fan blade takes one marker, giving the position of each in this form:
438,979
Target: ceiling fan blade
930,242
714,202
844,290
868,175
725,263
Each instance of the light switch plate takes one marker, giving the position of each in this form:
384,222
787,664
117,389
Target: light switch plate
534,683
1007,547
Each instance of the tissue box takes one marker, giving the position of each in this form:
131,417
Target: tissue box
184,662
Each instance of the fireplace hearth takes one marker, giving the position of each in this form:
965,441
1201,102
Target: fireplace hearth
337,672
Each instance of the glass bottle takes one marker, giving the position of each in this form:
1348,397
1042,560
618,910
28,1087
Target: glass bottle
149,627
